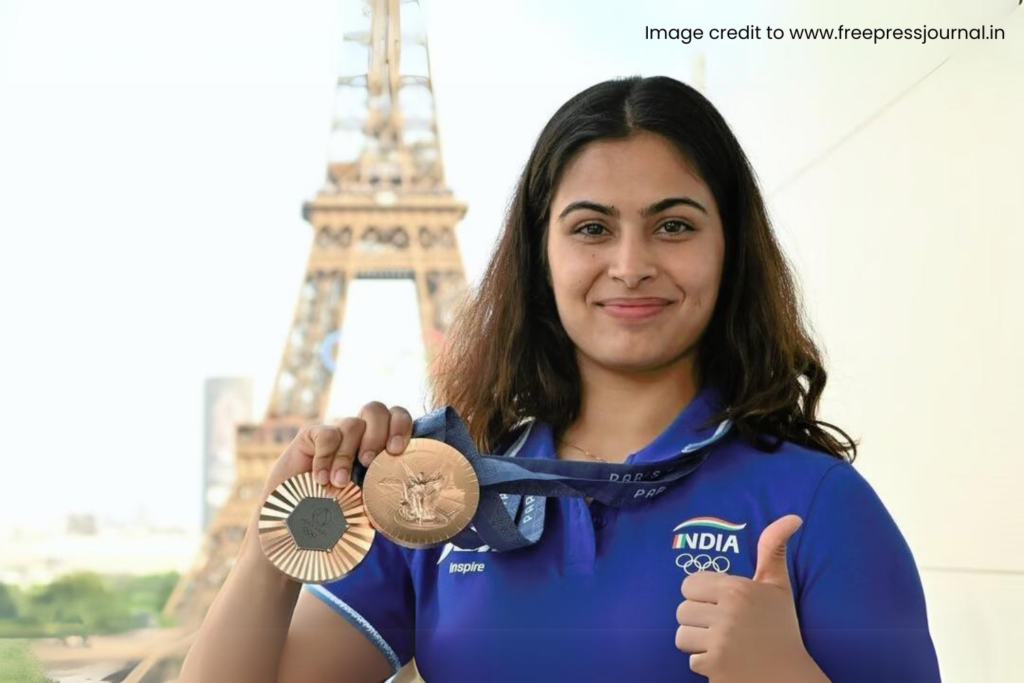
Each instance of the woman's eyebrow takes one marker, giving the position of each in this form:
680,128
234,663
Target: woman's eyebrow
656,207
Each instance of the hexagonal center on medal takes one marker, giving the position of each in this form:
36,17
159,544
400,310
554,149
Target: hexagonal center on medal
317,523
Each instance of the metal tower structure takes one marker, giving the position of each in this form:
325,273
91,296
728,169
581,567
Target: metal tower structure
384,212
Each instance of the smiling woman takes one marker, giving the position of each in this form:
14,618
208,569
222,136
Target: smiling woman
637,310
636,304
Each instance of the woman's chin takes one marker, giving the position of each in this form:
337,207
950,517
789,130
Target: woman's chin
632,361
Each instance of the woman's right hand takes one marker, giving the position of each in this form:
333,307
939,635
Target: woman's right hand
329,450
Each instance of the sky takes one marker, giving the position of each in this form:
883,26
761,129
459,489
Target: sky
154,158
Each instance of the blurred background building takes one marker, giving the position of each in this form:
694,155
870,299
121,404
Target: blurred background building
228,403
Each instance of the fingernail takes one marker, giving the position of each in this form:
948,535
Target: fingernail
322,477
367,457
340,478
396,444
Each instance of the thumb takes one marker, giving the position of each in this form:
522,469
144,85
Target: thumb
771,551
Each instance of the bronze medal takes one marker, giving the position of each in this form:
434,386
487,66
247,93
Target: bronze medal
314,533
423,497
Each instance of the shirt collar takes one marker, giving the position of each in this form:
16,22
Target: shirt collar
684,433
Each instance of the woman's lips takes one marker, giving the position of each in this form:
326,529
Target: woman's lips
633,312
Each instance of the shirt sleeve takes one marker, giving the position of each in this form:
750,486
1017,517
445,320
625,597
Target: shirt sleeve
379,599
860,600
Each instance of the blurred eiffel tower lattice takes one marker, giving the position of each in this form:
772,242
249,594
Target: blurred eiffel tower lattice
384,211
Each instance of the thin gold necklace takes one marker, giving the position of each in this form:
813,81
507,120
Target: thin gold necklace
583,450
588,454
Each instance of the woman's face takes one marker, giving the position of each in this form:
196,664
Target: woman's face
635,247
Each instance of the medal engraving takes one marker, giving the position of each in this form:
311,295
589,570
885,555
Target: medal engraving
317,523
421,504
424,496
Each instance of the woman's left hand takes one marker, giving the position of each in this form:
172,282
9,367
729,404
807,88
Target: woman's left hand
739,630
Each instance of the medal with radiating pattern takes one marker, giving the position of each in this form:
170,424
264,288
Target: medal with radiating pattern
314,533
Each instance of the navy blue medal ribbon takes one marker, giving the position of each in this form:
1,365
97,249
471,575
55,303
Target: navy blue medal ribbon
510,516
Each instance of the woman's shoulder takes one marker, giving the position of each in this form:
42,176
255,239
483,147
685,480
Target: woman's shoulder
790,461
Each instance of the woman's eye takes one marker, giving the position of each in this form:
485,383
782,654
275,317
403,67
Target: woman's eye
583,229
680,227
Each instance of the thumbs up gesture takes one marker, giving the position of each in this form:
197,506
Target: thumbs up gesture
740,630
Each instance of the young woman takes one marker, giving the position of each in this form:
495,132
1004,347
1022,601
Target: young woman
637,304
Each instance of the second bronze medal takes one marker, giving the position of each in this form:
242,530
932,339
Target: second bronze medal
314,533
423,497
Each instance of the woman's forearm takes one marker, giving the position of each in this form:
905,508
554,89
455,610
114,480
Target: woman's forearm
243,634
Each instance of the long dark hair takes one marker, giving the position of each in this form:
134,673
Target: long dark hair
506,356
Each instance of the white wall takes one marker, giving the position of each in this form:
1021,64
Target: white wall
908,238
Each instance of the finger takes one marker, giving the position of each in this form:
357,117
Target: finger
401,430
377,418
705,586
325,440
692,639
701,664
351,429
693,613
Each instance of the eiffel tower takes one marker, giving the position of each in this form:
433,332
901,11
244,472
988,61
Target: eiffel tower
383,212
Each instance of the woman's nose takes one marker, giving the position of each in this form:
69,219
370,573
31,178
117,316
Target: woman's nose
632,262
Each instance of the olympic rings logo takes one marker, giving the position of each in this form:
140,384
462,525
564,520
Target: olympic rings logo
691,564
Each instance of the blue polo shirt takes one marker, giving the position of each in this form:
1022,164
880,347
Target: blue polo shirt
596,597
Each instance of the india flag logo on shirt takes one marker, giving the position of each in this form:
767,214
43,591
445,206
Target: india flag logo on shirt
687,538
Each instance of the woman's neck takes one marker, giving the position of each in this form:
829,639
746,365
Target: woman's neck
621,413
